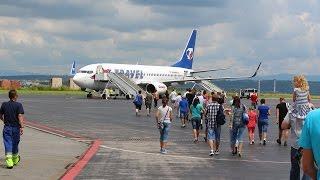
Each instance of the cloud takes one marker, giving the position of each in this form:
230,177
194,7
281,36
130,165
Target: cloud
283,34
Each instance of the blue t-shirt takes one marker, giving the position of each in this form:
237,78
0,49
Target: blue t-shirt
183,105
10,111
138,100
263,112
310,134
196,111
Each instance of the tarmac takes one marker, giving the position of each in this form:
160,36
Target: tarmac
130,144
43,156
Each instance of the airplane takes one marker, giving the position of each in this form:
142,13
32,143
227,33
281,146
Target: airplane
150,78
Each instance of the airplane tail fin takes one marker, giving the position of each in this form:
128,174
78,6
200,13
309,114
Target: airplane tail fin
188,53
73,69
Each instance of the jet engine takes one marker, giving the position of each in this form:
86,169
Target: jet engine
156,87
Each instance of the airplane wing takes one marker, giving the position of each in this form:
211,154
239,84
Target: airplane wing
195,79
209,70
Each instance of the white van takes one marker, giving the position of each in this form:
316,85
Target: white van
246,93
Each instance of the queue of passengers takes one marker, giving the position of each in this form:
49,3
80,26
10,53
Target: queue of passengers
300,117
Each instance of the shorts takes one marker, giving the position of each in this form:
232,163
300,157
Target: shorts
217,130
183,115
148,105
211,134
263,126
237,134
164,132
138,106
196,122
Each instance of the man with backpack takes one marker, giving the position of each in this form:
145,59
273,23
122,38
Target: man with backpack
214,119
138,102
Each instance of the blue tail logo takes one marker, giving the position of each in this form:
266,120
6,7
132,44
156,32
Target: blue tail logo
188,53
73,69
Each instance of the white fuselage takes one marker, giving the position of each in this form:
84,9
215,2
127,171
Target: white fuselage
140,74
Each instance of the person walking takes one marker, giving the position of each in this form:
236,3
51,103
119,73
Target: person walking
163,120
213,129
254,100
176,105
309,141
11,113
173,96
237,126
148,102
253,119
184,111
155,99
281,112
138,100
196,109
290,122
263,118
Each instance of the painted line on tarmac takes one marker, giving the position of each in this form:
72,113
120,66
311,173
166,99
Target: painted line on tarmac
192,157
76,168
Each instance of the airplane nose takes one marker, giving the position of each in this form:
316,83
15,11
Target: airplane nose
76,79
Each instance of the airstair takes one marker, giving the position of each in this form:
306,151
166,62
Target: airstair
209,86
126,85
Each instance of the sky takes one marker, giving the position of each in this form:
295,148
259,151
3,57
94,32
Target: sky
46,36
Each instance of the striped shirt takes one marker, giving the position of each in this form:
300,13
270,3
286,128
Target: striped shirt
211,114
301,96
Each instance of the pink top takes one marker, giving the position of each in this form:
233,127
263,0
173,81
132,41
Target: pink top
253,118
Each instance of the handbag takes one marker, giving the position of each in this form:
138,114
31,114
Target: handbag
245,117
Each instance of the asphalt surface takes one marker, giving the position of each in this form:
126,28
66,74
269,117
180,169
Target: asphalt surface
130,147
43,156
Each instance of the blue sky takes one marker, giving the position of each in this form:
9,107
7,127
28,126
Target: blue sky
45,36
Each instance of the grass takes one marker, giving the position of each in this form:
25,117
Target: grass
42,90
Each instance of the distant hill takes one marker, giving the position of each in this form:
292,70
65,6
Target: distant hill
286,77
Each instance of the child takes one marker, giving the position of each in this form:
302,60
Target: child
253,118
184,110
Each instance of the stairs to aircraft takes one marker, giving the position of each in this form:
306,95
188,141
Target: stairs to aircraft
126,85
209,86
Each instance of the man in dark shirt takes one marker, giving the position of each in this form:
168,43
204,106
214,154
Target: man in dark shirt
282,111
11,113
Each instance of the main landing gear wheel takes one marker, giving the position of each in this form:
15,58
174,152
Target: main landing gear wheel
127,96
89,96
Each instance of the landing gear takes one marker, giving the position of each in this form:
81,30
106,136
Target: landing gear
127,96
89,95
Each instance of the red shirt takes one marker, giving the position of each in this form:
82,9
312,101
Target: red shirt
254,98
253,118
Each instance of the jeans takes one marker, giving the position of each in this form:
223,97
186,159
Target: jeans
237,134
11,139
164,132
295,167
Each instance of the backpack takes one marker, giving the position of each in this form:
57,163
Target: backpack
221,118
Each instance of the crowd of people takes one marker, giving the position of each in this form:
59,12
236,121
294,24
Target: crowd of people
210,111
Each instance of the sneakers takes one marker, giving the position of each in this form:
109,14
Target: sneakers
260,142
16,159
163,151
285,143
211,153
239,154
9,161
264,142
217,152
195,140
279,141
